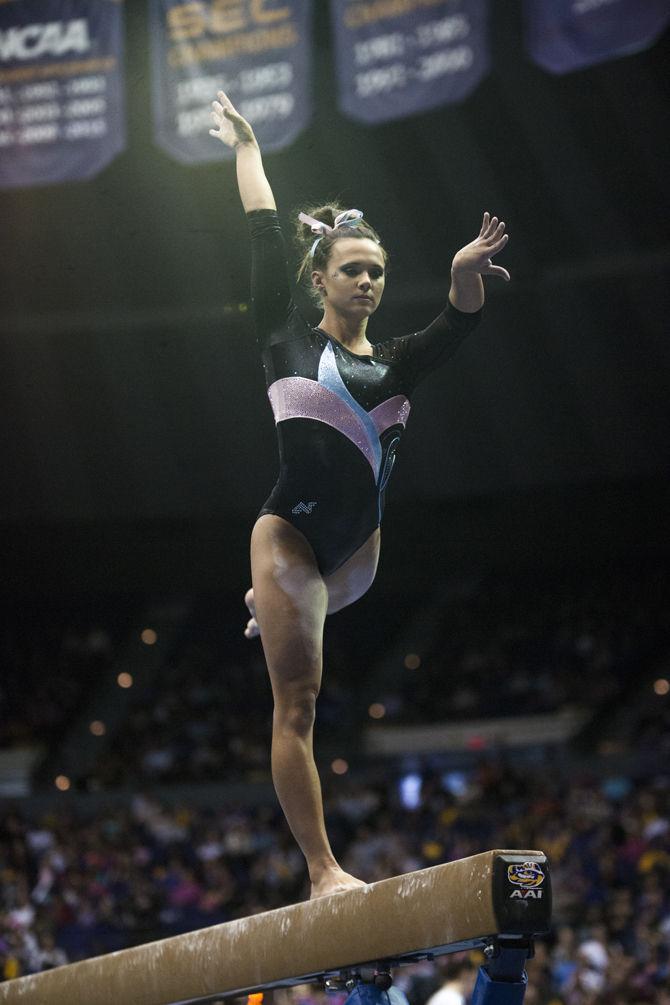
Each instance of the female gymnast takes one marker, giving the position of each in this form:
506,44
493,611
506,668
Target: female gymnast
340,403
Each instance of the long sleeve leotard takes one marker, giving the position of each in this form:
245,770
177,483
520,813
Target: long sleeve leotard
339,416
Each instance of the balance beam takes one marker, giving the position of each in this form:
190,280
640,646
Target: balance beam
459,905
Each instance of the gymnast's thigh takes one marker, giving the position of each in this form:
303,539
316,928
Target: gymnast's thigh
355,576
291,601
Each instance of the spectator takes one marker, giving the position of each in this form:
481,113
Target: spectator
459,979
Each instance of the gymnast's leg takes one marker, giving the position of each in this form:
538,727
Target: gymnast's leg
355,577
291,602
344,586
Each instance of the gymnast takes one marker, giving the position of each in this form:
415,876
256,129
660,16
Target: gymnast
340,404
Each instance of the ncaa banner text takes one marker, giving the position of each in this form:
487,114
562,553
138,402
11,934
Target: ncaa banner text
62,115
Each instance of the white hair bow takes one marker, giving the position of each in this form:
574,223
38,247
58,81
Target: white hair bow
349,218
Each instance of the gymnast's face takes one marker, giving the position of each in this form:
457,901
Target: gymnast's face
353,281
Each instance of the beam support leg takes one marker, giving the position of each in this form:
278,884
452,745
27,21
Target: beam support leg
503,980
377,991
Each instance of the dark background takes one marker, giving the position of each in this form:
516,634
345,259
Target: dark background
136,441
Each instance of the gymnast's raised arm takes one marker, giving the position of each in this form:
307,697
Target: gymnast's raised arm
270,289
233,130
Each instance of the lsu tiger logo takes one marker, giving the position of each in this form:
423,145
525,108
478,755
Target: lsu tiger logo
528,876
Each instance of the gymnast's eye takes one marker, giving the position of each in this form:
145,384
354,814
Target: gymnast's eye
353,270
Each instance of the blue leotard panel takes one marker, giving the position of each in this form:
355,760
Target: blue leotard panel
339,416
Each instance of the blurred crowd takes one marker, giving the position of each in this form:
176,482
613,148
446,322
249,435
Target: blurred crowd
75,886
53,653
207,716
512,646
76,883
535,642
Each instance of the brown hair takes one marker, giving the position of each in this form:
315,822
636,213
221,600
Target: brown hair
305,239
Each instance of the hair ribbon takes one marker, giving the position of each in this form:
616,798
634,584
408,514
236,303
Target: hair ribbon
349,218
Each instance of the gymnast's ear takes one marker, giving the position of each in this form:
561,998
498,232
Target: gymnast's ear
318,283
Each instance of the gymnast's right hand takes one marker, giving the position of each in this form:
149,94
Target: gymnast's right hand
231,128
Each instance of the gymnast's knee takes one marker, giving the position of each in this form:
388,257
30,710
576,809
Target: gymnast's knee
295,711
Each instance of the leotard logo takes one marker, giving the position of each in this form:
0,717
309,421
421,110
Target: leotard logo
303,508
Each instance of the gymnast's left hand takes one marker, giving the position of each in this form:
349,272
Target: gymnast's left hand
476,256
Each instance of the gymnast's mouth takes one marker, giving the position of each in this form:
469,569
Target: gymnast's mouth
369,300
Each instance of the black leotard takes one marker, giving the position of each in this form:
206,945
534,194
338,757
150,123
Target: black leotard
339,415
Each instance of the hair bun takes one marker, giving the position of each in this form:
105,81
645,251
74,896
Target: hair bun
325,214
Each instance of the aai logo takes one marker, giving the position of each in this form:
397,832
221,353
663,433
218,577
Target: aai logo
529,877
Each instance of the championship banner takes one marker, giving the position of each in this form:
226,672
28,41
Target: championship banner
564,35
257,51
61,89
403,57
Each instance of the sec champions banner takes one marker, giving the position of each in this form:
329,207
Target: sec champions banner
402,57
257,51
564,35
61,89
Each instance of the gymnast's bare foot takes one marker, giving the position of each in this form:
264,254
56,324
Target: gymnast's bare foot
252,630
334,881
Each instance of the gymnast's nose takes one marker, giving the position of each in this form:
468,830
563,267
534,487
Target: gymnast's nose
364,282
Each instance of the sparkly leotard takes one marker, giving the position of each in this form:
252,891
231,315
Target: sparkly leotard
339,415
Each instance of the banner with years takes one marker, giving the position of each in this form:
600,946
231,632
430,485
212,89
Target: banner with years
403,57
257,51
565,35
62,114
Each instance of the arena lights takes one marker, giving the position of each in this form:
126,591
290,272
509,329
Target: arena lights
339,766
149,637
62,782
97,727
125,680
412,661
661,686
377,710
